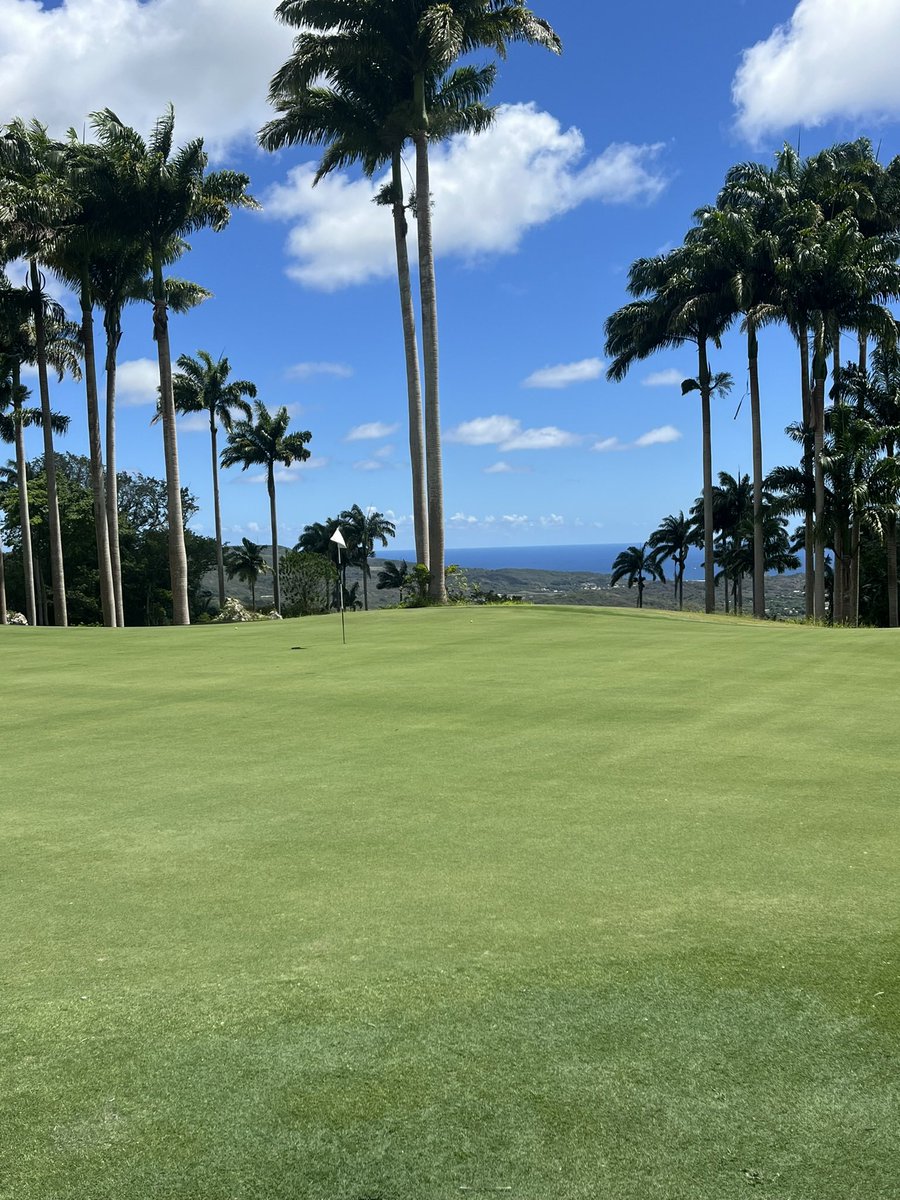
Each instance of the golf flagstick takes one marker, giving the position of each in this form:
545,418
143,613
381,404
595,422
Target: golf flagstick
338,538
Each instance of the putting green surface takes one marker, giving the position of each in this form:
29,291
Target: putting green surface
527,902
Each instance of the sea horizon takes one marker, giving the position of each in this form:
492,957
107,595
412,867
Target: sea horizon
594,558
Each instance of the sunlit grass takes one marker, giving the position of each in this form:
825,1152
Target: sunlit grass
578,903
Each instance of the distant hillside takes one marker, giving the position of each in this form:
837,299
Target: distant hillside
784,593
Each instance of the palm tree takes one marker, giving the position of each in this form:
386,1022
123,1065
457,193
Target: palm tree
15,418
266,442
361,117
394,577
362,530
683,297
36,210
674,539
202,386
246,562
156,195
119,277
637,563
413,44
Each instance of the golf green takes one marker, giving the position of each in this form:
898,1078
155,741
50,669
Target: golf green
547,903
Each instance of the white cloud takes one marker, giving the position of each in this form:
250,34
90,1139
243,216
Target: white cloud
659,437
553,520
212,58
566,374
307,370
370,432
137,382
489,191
292,474
369,464
193,423
484,431
515,519
653,437
548,438
832,59
499,468
508,434
669,378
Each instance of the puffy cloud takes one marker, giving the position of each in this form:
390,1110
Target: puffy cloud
307,370
370,432
499,468
669,378
489,191
659,437
508,434
485,431
566,374
548,438
137,382
653,437
212,58
292,474
832,59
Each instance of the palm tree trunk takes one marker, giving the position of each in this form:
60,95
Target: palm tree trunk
863,351
107,591
276,583
413,377
4,612
253,594
809,573
24,513
759,540
681,567
891,547
819,372
709,569
57,569
178,572
220,553
437,588
837,604
113,338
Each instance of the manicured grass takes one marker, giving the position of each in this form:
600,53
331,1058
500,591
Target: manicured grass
578,903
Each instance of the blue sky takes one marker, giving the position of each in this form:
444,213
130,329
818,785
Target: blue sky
597,158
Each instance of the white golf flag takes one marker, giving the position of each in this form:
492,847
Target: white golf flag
338,537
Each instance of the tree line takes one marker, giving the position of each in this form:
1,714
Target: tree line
811,244
110,216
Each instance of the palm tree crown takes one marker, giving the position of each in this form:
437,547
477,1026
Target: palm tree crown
265,442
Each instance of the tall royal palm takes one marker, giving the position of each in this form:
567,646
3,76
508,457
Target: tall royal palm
683,297
363,116
120,276
157,194
265,442
415,42
36,210
202,386
15,417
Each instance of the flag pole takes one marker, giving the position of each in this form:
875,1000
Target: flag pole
338,538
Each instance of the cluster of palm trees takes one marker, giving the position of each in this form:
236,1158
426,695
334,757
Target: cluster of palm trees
107,217
360,529
365,80
811,243
733,542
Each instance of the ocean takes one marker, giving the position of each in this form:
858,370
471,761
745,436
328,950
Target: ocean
597,558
